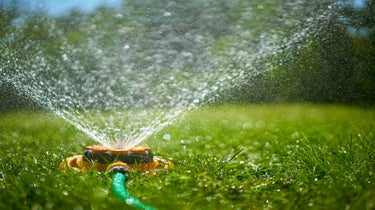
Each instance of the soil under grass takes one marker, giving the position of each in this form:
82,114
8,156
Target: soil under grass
226,157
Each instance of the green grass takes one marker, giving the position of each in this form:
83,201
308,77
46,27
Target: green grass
226,157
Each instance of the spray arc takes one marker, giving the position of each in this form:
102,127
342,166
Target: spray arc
119,162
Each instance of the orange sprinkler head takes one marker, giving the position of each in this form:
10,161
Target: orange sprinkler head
101,158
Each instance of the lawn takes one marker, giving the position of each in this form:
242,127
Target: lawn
281,156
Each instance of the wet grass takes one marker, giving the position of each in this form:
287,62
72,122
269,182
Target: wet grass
226,157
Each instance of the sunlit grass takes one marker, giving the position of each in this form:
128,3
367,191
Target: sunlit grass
230,156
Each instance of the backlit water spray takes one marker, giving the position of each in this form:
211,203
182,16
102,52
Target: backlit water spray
120,84
122,75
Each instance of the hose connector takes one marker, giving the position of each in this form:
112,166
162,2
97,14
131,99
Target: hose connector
118,167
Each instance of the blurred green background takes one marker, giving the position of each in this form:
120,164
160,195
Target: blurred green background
331,60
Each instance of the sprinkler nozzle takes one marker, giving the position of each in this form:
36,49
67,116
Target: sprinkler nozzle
101,158
103,155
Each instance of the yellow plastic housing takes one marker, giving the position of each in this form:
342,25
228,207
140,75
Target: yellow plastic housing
92,160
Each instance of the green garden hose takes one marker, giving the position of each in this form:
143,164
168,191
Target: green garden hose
119,189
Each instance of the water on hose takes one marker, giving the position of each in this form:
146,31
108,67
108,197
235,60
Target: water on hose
122,74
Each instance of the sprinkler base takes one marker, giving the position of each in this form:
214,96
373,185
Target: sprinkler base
100,158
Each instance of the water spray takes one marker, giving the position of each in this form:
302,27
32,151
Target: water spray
119,162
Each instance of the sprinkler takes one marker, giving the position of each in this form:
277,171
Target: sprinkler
119,162
101,158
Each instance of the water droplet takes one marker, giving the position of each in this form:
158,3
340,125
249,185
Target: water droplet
167,14
126,47
2,176
167,136
64,57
